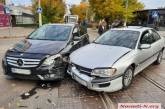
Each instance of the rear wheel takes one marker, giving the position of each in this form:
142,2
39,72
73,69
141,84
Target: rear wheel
159,58
127,77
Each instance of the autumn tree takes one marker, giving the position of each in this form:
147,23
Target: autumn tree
81,10
2,1
53,11
104,8
133,5
114,9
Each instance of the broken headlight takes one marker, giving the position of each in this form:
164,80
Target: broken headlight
107,72
51,60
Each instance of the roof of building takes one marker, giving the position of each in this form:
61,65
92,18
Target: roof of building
19,10
153,9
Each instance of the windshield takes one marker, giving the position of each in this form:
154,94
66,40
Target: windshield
123,38
51,32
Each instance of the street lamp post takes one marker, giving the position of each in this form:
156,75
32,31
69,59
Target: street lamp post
87,3
126,8
40,15
87,12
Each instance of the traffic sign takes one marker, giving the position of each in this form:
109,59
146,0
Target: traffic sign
155,14
39,10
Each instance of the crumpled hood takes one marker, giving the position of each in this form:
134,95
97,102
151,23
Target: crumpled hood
39,46
96,55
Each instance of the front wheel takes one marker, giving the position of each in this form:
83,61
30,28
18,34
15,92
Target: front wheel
159,58
127,77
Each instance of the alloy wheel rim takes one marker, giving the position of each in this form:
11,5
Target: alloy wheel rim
160,57
128,77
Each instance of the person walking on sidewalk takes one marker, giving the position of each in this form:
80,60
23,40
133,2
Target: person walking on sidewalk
102,27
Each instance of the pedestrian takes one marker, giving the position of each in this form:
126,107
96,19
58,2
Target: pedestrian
101,28
84,25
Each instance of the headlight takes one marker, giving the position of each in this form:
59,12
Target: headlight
109,72
50,60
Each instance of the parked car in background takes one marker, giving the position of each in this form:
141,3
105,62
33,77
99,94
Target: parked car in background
43,55
111,61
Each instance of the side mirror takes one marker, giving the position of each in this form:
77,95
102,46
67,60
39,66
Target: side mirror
76,36
145,46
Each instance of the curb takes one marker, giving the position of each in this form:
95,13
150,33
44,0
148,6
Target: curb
10,37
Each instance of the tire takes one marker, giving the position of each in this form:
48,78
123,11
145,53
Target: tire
128,77
159,58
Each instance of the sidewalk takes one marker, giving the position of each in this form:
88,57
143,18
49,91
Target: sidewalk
162,33
13,32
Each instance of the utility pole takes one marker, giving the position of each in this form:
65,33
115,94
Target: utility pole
87,3
126,8
40,13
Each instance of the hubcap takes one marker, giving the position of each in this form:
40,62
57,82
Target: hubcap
128,77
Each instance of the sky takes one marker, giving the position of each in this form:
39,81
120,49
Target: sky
21,2
149,4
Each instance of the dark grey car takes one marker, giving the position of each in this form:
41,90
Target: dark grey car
43,54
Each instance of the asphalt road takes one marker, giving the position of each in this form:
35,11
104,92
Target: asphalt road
149,86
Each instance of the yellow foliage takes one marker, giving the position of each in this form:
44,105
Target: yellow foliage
115,9
53,11
80,10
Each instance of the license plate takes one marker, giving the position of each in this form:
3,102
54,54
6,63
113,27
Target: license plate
80,80
21,71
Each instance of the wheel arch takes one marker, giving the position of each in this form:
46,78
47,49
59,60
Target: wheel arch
133,65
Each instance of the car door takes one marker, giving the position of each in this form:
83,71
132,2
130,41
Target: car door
144,57
157,45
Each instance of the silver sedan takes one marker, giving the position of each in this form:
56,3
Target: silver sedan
111,61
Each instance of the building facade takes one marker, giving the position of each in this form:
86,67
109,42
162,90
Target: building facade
150,17
4,17
21,15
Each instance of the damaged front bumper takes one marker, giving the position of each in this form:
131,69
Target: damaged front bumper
96,84
49,73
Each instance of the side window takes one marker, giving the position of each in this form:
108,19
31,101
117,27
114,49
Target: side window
155,35
146,38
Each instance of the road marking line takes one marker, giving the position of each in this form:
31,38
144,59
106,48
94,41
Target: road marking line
107,101
104,103
153,82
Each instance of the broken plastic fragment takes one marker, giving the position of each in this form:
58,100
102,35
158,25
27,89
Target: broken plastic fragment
27,94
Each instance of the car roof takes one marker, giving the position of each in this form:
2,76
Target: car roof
63,24
133,28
